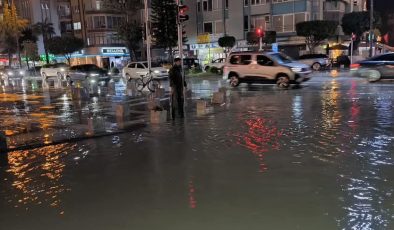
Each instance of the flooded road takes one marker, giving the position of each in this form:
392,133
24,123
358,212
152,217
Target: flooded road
319,157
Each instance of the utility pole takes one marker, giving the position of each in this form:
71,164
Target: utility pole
371,28
148,37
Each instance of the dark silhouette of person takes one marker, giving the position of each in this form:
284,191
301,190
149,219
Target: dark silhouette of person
177,85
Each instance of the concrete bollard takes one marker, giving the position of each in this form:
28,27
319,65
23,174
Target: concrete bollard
154,103
201,107
218,98
80,93
3,143
160,92
157,116
122,110
111,88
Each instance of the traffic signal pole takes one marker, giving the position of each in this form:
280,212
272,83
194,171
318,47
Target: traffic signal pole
148,37
180,42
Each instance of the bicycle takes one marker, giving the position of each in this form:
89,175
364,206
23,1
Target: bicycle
147,81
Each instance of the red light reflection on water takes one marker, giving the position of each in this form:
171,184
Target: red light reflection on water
261,137
192,197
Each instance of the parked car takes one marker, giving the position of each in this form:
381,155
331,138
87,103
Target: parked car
89,72
191,63
54,70
34,71
216,63
315,61
136,70
12,73
375,68
257,67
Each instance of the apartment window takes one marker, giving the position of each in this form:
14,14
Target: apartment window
205,5
288,21
77,26
210,5
299,18
246,2
278,23
226,4
246,23
219,27
99,4
258,22
99,22
208,27
279,1
199,6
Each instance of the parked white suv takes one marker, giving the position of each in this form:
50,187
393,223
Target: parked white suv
259,67
136,70
54,70
217,63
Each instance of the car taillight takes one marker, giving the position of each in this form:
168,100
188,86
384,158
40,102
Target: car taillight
355,66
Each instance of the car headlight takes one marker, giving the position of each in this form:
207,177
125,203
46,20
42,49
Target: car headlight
92,81
109,73
94,74
62,69
296,69
10,73
21,72
168,70
156,71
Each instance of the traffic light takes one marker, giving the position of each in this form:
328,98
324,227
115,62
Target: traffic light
182,9
259,33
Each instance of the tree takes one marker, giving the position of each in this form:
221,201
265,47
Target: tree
227,42
315,32
131,34
30,51
11,28
164,24
65,46
45,29
358,23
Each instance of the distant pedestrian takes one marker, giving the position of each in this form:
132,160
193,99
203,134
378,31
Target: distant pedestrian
177,85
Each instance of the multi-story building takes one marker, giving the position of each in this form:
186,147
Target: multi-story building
96,25
211,19
39,11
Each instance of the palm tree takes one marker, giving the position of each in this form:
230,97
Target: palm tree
45,29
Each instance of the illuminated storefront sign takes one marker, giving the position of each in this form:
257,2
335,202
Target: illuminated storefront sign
114,50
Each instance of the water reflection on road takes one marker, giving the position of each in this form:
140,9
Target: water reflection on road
319,157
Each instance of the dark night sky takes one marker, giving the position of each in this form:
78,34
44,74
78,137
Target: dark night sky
385,5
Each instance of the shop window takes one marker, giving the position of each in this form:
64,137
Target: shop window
208,27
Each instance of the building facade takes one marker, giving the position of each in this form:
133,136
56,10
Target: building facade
96,25
211,19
